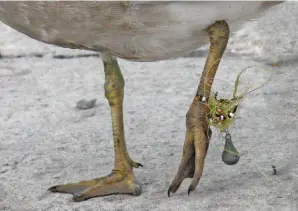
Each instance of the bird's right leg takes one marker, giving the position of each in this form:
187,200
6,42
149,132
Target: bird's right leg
198,132
122,179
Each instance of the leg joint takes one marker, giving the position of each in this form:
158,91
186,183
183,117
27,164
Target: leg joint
218,31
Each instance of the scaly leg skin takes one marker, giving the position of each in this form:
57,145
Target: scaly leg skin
198,132
122,179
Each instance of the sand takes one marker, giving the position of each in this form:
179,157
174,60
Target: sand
45,140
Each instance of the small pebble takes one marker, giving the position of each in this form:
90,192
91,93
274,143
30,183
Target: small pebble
86,104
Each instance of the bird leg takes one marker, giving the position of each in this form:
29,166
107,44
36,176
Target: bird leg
198,132
121,179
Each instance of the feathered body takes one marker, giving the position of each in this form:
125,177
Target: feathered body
141,31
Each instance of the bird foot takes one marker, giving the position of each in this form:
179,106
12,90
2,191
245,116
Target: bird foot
195,148
118,182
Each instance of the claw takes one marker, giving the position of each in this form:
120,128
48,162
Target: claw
53,189
170,190
135,164
139,165
192,162
68,188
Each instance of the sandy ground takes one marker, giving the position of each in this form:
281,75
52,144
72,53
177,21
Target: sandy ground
45,140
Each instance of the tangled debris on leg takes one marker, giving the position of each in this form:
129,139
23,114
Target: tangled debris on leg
222,114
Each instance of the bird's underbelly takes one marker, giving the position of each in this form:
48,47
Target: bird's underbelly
134,31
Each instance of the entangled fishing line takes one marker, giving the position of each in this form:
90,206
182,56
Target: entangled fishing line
222,111
222,114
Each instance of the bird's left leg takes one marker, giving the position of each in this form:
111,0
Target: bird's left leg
198,132
122,179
